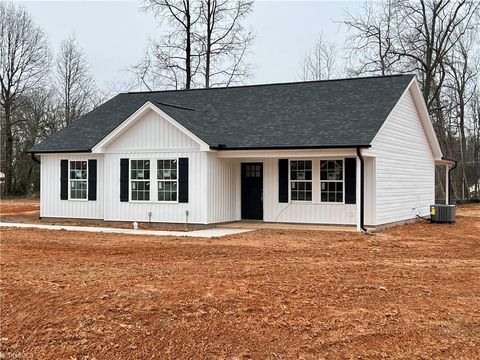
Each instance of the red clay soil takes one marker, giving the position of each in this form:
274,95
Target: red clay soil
409,292
18,207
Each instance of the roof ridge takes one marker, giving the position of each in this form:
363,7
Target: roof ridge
271,84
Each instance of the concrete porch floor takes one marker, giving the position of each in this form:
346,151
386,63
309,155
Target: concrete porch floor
258,224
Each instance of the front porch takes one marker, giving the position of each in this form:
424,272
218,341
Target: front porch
302,188
259,225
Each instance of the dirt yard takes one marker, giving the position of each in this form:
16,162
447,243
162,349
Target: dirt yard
410,292
19,207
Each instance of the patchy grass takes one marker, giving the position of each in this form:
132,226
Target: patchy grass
407,292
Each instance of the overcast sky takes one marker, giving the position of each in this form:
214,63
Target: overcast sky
113,34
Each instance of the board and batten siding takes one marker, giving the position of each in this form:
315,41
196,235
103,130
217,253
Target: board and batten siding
151,133
50,203
312,212
153,138
405,166
370,191
171,212
150,137
224,195
222,187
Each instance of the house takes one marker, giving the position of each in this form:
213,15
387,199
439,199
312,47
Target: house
358,152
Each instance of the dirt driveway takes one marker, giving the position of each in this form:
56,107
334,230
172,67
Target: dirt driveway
404,293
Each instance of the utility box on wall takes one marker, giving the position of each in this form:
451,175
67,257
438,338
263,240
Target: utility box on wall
442,213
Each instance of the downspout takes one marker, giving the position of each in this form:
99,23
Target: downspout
362,191
32,155
450,183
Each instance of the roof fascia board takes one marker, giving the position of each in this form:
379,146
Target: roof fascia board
226,148
100,147
289,153
59,152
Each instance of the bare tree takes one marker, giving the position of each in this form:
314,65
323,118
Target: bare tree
319,62
115,87
224,41
171,60
431,29
475,140
205,45
74,83
39,117
371,37
410,36
461,84
24,62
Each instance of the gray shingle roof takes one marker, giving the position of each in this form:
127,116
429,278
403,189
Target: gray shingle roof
333,113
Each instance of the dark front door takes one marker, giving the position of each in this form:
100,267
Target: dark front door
252,191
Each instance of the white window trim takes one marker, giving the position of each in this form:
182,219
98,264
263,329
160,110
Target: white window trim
290,182
161,180
70,181
154,180
343,182
130,181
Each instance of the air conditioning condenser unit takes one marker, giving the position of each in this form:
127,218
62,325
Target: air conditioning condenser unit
441,213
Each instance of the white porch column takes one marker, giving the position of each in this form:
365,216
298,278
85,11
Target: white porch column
357,192
447,185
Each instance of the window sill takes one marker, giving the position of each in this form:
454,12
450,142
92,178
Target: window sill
310,202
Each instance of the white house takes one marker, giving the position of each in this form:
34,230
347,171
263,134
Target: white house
358,152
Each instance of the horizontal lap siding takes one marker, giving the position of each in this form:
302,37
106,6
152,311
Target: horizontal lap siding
405,169
50,203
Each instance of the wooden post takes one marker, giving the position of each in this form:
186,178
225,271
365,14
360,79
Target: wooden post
447,185
357,193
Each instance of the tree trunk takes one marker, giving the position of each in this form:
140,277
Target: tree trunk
463,147
8,139
208,46
188,48
207,67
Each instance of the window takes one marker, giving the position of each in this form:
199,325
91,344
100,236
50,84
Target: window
253,170
78,180
331,180
140,180
301,180
167,172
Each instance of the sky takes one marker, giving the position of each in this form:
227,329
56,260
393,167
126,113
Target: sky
114,34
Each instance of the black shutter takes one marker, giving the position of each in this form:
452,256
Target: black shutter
124,180
183,180
350,180
283,180
63,179
92,179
